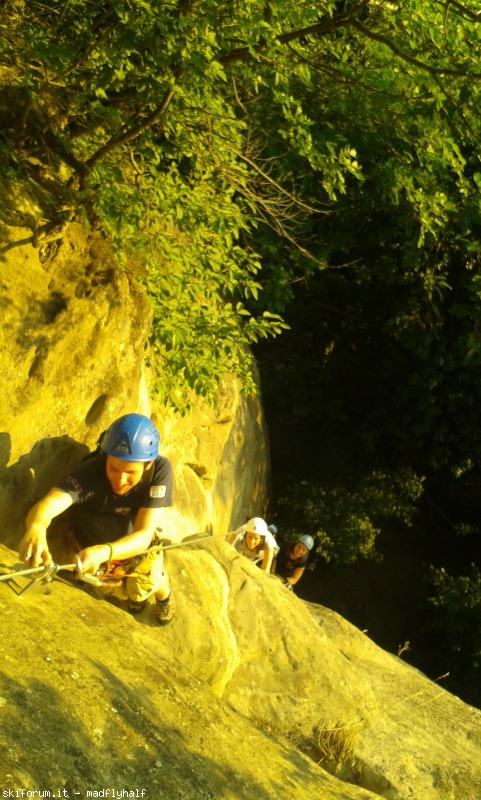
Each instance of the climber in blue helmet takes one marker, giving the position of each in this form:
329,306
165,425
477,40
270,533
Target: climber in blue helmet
292,558
114,499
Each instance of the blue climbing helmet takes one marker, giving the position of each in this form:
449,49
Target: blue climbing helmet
132,437
307,541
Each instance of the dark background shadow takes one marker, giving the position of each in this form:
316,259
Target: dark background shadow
22,484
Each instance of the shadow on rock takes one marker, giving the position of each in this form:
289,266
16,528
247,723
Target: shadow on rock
30,478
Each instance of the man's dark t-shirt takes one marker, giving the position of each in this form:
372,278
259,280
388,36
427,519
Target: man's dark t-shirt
285,565
98,515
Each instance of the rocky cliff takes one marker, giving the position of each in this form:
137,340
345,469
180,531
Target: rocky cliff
249,692
74,339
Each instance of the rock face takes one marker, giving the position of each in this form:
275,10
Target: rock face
74,334
299,668
93,700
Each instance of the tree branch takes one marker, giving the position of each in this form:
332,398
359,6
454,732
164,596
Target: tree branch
245,53
135,130
241,54
379,37
474,16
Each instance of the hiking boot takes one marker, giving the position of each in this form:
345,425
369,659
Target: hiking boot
136,606
165,609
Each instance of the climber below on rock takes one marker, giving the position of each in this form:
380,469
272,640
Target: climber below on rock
291,560
114,499
255,541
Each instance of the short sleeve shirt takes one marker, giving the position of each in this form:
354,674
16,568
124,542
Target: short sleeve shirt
240,545
98,515
285,565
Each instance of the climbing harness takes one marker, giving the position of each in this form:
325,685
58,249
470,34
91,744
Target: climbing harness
112,573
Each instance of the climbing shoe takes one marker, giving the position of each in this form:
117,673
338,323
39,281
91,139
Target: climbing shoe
136,606
165,609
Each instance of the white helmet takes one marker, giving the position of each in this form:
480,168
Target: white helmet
256,525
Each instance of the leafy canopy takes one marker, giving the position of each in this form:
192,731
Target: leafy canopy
248,160
134,117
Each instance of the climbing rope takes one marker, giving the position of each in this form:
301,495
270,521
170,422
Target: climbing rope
112,574
43,574
209,536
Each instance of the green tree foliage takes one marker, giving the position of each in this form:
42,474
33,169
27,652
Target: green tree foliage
381,364
380,370
146,117
456,623
254,159
133,114
345,520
